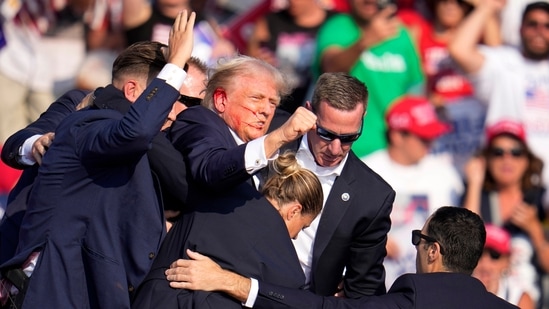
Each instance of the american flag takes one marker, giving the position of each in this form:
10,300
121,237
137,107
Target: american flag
537,98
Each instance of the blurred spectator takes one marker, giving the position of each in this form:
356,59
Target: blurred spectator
511,20
526,218
104,41
505,176
145,20
514,82
286,39
422,182
493,269
7,181
45,45
447,87
371,45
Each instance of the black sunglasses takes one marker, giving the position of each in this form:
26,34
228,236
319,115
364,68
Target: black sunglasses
417,236
189,101
500,152
494,255
330,136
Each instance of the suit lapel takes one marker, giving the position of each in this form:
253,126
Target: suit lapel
338,202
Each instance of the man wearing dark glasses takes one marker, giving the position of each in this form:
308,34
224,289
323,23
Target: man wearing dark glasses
448,249
423,182
350,235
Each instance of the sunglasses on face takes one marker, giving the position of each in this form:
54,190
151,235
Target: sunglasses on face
498,152
330,136
189,101
494,255
417,236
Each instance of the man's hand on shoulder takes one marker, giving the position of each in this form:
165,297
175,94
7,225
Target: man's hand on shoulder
202,273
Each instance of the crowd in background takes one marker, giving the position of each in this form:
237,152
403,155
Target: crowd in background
458,102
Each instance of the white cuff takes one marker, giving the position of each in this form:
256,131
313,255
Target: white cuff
254,156
25,151
173,75
252,296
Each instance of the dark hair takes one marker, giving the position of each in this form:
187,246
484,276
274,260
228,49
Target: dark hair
531,177
461,233
540,5
432,6
340,90
141,59
290,182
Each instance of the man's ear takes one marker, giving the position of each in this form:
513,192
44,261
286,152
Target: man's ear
131,90
220,99
434,252
309,106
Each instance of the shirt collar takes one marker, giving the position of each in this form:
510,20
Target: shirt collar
236,138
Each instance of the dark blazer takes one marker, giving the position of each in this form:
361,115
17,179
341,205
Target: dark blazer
169,173
92,212
18,196
352,233
167,166
215,162
421,291
241,233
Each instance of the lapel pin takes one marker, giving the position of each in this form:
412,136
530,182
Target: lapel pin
345,196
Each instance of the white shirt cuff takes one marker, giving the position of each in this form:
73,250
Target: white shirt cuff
252,296
25,151
254,156
173,75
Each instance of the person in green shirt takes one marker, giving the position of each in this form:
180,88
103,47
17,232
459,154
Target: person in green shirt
371,45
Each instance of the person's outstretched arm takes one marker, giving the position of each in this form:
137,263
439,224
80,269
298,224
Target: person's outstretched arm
464,47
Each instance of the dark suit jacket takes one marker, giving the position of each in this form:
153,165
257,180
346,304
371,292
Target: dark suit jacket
421,291
167,166
92,212
18,197
241,233
214,161
352,233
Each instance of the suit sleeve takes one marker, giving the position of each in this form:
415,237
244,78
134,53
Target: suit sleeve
47,122
277,297
365,274
168,165
109,140
213,158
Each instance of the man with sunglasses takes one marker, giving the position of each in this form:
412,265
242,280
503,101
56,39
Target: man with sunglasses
422,181
350,234
448,249
512,81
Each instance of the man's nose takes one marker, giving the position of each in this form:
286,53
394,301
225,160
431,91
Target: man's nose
335,147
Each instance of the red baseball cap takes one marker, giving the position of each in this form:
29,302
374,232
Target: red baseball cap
506,126
497,239
417,116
